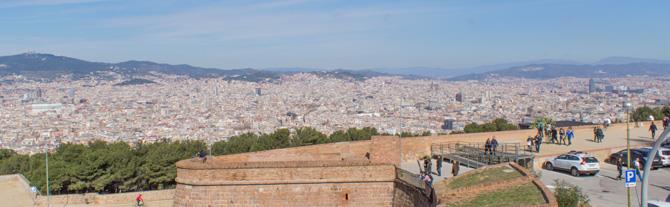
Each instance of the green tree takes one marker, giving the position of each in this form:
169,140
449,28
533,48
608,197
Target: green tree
308,136
642,113
339,136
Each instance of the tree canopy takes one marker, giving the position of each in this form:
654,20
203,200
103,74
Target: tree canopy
642,113
498,124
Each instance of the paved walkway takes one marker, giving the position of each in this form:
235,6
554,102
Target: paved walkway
12,193
614,137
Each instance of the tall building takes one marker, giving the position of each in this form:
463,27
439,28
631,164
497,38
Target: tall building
448,124
592,85
460,97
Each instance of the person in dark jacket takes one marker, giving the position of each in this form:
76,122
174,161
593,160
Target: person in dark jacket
561,136
653,129
494,145
427,164
202,155
619,168
554,136
600,134
487,146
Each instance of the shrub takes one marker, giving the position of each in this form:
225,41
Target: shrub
568,195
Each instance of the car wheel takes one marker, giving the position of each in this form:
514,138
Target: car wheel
574,172
549,166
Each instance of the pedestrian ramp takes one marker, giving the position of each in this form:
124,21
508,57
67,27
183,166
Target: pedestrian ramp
475,155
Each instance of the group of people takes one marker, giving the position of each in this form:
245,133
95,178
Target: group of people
560,137
598,134
426,174
491,146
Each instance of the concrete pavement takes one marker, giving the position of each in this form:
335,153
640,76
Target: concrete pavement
604,190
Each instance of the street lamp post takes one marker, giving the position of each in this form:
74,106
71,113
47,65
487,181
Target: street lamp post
627,106
46,160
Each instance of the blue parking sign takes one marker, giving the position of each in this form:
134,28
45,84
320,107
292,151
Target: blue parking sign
630,178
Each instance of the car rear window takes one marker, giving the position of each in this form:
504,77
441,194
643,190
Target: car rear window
590,160
666,152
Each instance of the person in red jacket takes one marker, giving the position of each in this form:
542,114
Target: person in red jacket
139,200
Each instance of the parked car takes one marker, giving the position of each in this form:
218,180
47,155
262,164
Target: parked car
577,163
665,155
658,204
636,153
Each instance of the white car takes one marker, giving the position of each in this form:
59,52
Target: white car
577,163
665,155
658,204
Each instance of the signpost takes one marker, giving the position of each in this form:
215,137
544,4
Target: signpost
630,179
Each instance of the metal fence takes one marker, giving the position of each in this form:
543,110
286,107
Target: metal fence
475,155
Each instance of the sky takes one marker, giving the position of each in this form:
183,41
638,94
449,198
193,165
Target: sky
332,34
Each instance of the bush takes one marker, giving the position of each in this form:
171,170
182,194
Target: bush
568,195
495,125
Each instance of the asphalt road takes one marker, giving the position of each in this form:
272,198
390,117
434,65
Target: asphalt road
604,190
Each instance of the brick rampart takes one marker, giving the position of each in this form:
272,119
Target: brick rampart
157,198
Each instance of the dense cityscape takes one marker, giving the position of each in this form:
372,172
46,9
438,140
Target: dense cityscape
39,114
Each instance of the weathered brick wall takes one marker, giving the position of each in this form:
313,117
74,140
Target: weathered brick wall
286,184
158,198
313,194
385,149
406,195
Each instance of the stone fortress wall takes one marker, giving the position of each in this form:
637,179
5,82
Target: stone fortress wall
359,173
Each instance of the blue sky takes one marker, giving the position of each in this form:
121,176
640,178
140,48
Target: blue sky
335,34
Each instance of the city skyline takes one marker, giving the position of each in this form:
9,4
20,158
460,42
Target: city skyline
326,34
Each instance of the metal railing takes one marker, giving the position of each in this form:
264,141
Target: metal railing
475,155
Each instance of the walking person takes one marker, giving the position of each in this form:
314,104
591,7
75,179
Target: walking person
554,136
638,168
619,168
202,156
595,134
487,146
600,134
538,143
494,145
570,134
529,142
455,167
561,134
653,129
139,201
427,165
666,121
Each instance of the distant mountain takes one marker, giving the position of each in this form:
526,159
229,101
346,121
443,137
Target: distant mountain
434,72
548,71
293,69
47,66
628,60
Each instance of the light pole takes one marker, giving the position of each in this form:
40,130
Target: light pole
627,105
46,160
